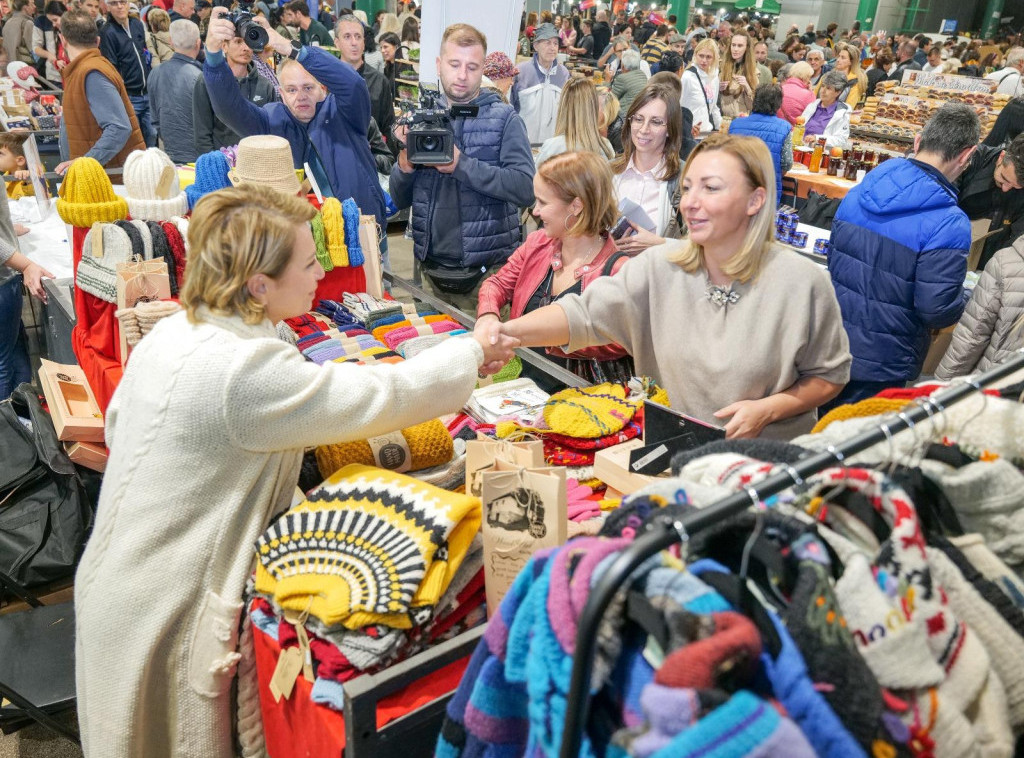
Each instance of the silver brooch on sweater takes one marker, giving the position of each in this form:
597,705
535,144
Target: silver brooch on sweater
721,296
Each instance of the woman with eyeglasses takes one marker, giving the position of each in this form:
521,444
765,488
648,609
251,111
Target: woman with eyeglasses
647,172
740,331
576,205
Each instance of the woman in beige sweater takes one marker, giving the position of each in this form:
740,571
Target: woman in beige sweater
206,434
738,330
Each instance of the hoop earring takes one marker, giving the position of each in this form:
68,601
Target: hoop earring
566,222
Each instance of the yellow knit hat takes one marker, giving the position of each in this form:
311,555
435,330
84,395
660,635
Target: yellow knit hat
334,230
873,406
429,444
589,412
86,196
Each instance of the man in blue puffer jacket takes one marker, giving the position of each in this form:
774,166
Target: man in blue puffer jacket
900,255
465,214
325,114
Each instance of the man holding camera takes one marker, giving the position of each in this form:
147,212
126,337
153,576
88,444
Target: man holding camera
325,113
465,213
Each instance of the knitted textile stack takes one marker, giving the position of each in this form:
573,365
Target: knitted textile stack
429,445
384,565
139,321
336,234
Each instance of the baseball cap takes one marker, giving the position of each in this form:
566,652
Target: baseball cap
677,37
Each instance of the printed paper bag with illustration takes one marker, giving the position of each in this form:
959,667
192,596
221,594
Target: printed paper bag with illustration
482,453
524,510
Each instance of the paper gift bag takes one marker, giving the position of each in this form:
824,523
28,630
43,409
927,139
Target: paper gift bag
136,281
372,268
524,510
482,453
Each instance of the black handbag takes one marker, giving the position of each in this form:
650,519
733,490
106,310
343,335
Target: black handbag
45,510
819,210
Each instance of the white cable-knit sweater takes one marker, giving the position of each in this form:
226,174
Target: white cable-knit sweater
206,433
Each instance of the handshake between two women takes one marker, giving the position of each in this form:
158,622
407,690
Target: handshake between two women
498,346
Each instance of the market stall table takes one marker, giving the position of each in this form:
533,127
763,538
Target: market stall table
831,186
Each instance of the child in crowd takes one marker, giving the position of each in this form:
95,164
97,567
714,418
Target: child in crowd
13,163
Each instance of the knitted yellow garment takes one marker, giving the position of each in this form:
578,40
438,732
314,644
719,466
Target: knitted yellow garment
429,443
363,548
86,196
589,412
334,230
873,406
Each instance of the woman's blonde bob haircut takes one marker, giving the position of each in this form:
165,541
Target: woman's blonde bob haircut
708,44
587,176
235,234
757,166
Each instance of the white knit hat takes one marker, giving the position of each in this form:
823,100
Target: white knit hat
98,275
147,238
151,186
267,160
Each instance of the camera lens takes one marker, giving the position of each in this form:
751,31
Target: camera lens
255,36
429,144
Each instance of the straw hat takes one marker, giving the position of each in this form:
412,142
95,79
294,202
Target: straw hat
267,160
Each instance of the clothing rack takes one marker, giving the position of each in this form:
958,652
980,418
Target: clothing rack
665,533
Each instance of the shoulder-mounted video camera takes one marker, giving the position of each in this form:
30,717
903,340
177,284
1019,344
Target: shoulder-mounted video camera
430,140
254,35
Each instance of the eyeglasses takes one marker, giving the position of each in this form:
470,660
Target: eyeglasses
306,89
638,122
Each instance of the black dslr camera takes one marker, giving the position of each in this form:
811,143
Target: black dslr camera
254,35
430,140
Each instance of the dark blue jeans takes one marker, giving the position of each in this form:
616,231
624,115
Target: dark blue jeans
14,363
140,103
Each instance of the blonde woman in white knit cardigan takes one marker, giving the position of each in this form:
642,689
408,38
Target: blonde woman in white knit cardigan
206,435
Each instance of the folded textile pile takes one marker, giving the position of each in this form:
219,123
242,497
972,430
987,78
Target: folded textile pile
375,565
417,447
139,321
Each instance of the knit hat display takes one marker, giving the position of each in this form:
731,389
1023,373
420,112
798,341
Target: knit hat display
151,186
86,196
211,175
323,255
177,248
366,547
429,445
162,251
22,74
350,214
266,160
589,411
334,231
98,275
872,406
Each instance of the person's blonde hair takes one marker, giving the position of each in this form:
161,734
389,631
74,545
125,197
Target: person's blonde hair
464,35
674,123
158,20
609,109
727,68
855,69
235,234
801,70
389,23
707,44
585,175
756,162
579,114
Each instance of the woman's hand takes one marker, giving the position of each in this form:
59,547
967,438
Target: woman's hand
749,418
810,139
21,230
638,242
498,347
742,81
34,275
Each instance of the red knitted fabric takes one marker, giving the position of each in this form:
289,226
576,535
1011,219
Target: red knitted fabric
177,245
735,641
94,338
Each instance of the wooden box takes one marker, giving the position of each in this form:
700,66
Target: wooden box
75,413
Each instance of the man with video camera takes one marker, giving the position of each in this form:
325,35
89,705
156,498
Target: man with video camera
325,113
465,212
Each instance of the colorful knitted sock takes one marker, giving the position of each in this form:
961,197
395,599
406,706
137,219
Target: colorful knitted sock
386,327
396,337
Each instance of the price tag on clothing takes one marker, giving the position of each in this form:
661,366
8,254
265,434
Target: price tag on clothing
288,667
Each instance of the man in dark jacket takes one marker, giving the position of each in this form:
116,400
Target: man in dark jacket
172,91
905,60
212,133
466,213
324,115
900,255
123,43
991,187
602,33
349,39
311,31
